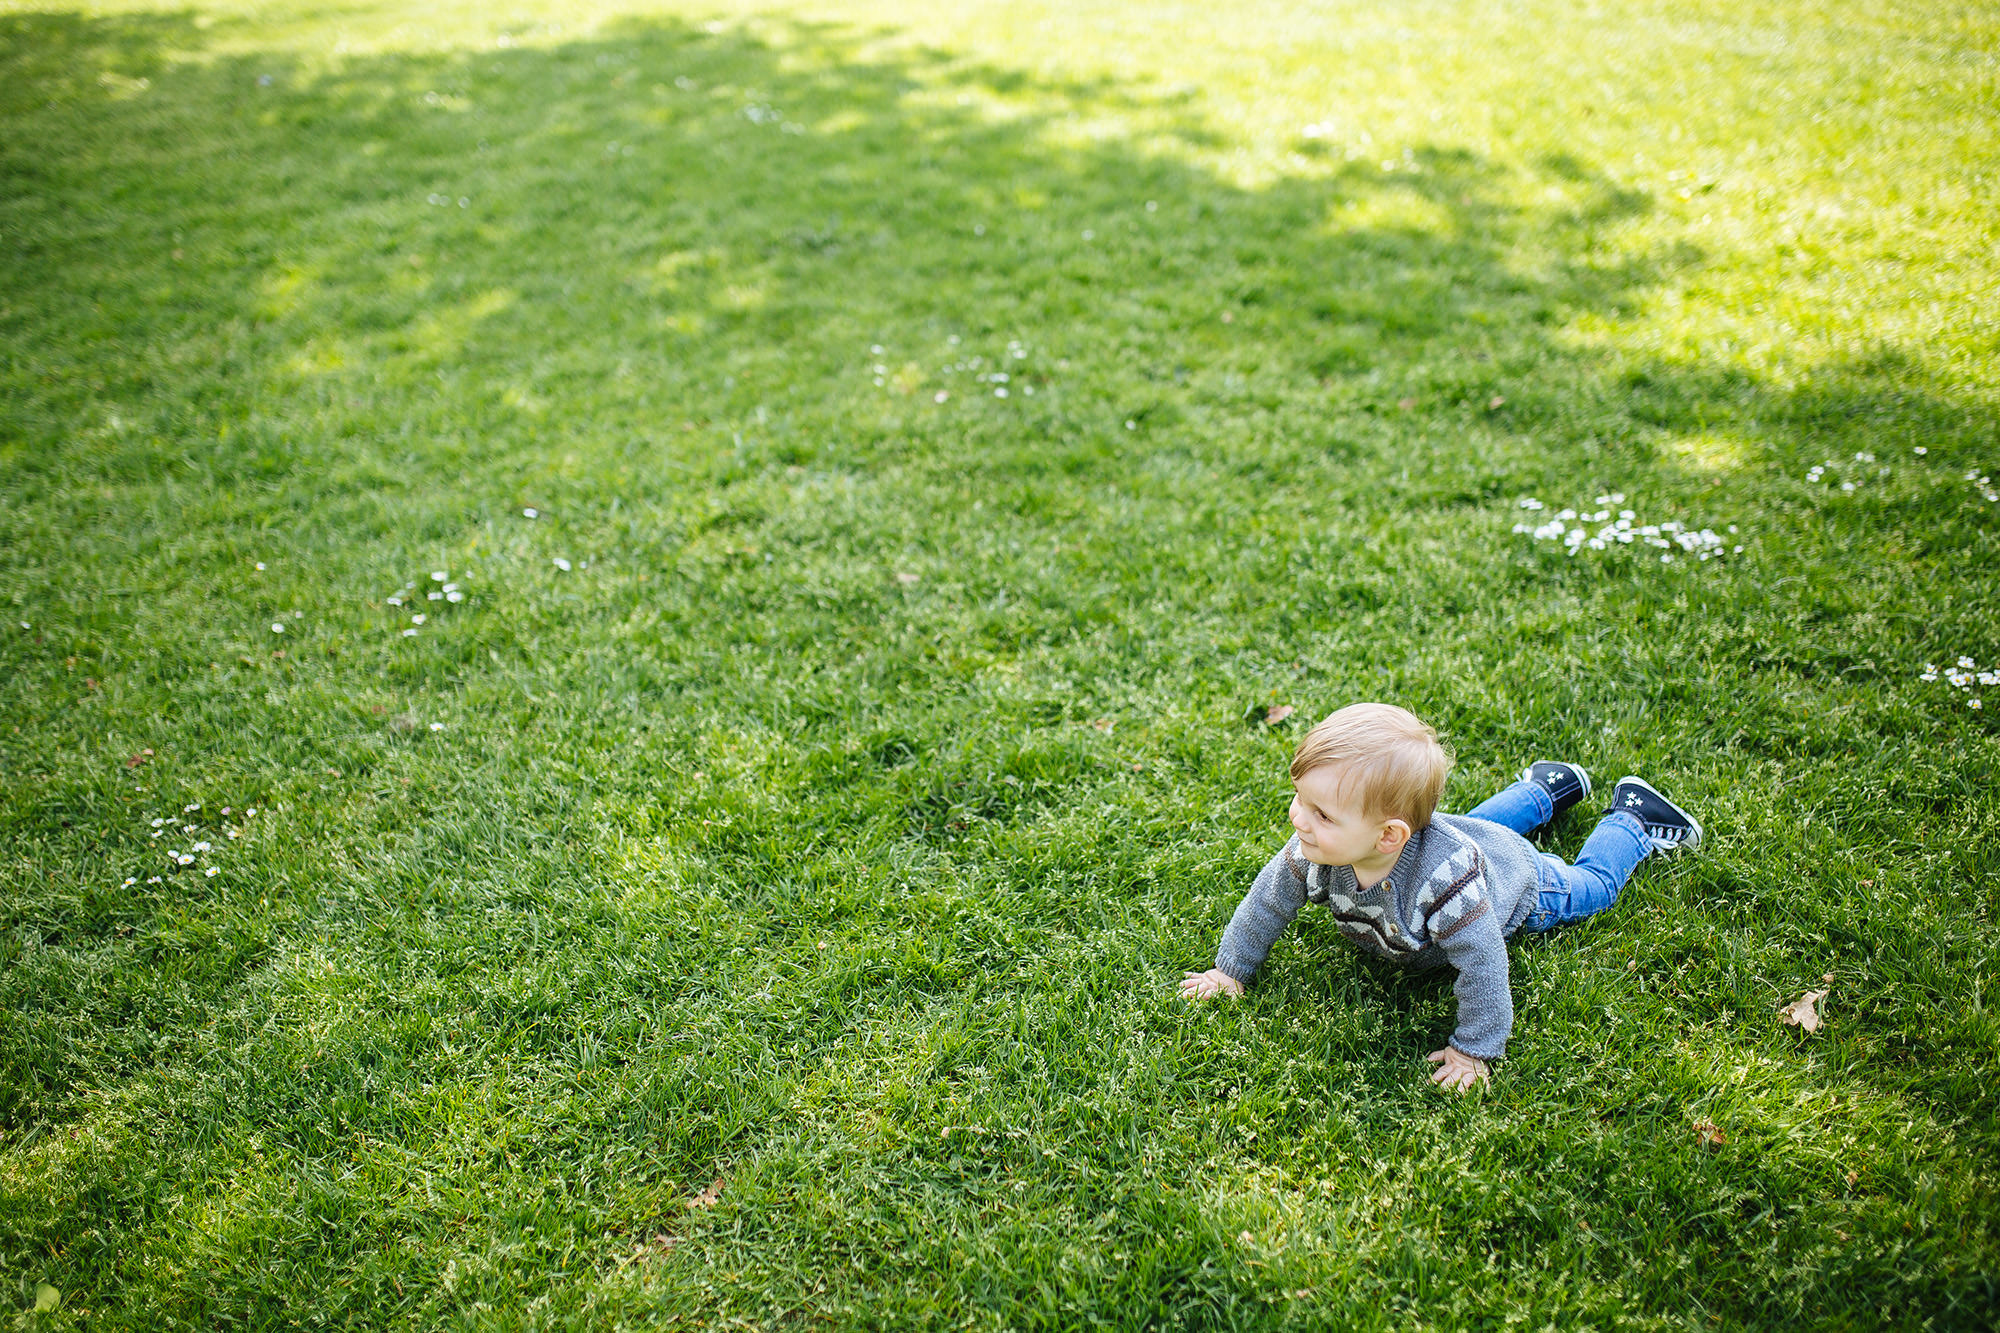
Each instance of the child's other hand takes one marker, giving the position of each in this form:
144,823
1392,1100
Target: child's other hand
1457,1070
1206,985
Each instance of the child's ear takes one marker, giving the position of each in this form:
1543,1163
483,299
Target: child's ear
1395,833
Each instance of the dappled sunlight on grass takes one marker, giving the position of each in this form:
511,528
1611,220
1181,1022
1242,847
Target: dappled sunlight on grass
787,523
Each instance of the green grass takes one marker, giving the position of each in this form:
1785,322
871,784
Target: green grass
835,827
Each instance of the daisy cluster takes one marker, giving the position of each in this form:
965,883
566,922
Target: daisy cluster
994,374
1981,482
1817,473
1623,528
762,113
446,592
1962,676
201,843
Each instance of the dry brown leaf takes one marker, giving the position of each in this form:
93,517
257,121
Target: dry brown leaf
138,758
1102,723
1278,713
708,1197
1800,1013
1711,1137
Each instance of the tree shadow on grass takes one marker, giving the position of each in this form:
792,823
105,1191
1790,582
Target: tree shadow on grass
739,310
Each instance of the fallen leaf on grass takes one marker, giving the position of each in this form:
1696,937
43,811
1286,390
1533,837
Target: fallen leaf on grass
1495,403
1800,1013
906,579
708,1197
1278,713
138,758
1102,723
1710,1136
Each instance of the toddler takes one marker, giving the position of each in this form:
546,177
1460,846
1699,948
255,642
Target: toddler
1421,888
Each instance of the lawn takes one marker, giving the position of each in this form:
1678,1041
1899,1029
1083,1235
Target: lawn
742,557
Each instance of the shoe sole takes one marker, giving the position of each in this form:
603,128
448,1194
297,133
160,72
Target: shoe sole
1689,843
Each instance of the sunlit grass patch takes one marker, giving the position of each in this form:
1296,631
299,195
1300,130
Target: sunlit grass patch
752,559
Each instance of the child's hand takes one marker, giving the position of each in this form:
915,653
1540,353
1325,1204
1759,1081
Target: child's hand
1457,1070
1205,985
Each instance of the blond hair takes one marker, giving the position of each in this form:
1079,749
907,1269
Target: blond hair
1390,761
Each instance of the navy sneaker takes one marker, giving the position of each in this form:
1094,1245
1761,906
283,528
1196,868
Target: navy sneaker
1566,784
1669,826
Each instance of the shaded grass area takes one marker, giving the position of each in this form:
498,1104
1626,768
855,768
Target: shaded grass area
833,779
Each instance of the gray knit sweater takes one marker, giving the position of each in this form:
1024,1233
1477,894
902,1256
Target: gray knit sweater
1460,888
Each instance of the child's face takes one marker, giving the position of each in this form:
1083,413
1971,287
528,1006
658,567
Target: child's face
1333,829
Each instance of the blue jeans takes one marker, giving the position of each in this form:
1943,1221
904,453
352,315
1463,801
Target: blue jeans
1570,892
